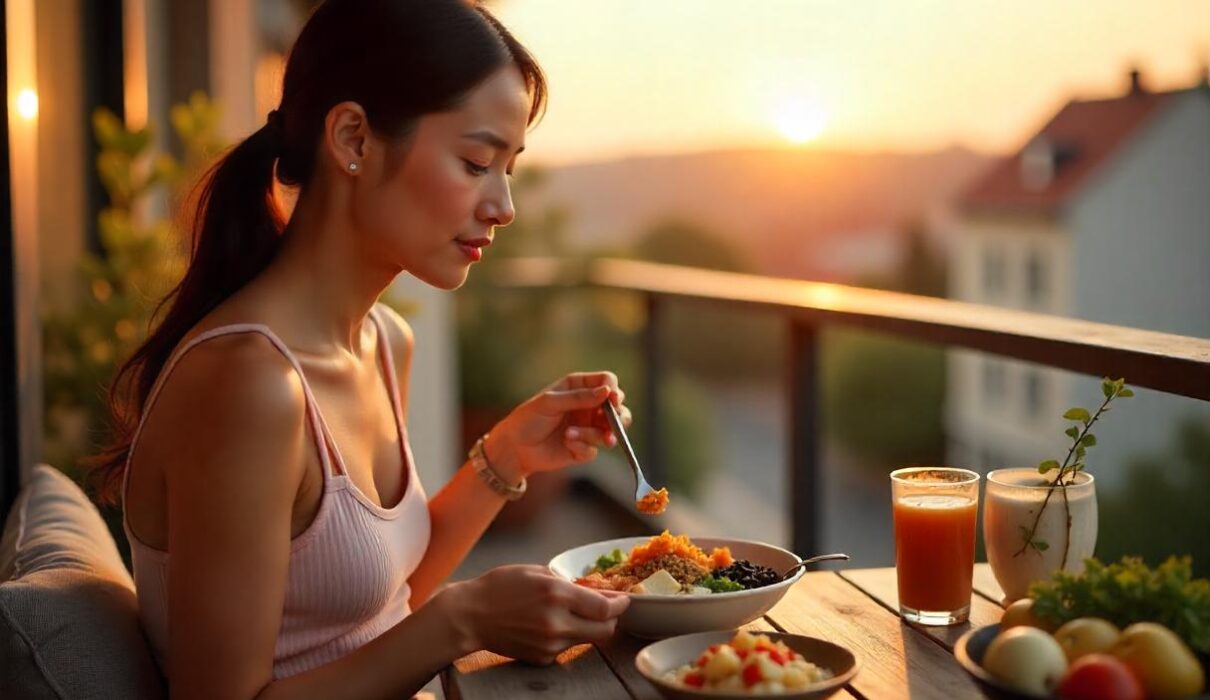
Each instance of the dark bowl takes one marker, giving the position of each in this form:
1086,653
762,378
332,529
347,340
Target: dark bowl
970,650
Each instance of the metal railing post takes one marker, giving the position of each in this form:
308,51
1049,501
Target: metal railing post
804,438
653,372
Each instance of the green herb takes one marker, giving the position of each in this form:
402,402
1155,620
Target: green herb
719,584
608,561
1082,439
1127,592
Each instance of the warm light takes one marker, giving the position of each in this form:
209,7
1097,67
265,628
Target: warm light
27,104
800,118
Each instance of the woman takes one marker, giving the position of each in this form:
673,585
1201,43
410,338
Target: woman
282,545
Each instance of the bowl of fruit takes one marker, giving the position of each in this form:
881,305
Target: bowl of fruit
1116,632
725,665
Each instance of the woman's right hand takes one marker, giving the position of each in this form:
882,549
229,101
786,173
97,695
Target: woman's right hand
526,612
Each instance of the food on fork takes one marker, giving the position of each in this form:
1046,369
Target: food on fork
750,663
653,503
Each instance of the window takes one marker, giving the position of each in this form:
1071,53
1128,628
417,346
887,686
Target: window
993,273
1035,399
993,382
1035,280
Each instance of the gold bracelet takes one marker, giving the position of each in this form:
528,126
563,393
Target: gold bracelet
489,476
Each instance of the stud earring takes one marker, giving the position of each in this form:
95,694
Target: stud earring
353,167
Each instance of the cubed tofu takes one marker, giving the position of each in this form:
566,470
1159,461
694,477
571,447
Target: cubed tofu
699,590
659,583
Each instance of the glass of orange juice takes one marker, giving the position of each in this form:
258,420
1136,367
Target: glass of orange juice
934,513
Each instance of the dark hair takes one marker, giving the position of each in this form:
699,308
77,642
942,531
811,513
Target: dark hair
399,60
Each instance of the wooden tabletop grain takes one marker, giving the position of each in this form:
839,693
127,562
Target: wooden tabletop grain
855,608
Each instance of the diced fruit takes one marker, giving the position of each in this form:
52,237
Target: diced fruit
659,583
752,674
1100,677
1021,612
695,680
743,641
1160,660
768,688
1086,635
1027,659
769,670
723,663
794,678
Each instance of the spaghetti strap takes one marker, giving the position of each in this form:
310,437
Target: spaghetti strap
388,363
318,428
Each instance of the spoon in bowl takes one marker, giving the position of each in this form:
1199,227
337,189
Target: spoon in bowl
811,560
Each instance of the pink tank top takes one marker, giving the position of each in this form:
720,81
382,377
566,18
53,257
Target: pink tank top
347,580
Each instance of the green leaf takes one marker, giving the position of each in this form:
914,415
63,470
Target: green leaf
1079,453
1077,413
1125,393
1107,387
1088,440
1047,466
1073,432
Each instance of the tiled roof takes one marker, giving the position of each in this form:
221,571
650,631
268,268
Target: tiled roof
1080,139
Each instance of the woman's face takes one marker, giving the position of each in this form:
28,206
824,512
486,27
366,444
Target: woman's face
436,212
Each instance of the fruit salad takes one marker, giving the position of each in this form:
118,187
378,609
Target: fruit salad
750,663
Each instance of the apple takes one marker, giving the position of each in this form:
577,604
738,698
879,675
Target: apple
1162,662
1086,635
1021,612
1100,677
1026,659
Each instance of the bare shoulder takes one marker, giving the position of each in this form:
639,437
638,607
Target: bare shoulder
399,333
229,400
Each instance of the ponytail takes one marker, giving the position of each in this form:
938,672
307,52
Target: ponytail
236,231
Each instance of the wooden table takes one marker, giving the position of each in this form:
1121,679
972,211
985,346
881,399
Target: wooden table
856,608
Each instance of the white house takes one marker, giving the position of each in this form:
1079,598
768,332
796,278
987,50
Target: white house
1103,215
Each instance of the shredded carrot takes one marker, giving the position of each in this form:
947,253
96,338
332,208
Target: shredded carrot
653,503
665,544
721,558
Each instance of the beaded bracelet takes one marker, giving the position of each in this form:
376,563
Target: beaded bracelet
478,459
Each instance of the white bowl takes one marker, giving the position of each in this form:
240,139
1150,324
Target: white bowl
658,616
655,660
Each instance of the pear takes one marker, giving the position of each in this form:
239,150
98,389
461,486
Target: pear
1021,612
1162,662
1087,635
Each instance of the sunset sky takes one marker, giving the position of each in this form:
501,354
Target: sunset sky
657,76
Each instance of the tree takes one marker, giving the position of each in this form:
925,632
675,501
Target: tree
1161,509
86,341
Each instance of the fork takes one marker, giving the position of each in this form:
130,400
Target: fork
641,487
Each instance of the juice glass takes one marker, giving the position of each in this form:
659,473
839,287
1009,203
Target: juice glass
934,511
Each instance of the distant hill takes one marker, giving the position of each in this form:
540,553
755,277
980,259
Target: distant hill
788,209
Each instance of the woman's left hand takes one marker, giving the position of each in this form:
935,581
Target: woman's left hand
562,425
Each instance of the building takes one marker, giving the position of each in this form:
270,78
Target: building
1103,215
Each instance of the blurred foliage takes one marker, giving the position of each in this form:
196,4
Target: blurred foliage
703,339
883,397
141,258
1160,509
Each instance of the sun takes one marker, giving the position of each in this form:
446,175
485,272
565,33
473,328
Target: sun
800,119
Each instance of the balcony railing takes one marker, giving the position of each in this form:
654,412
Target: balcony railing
1166,362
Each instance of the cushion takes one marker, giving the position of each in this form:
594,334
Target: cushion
69,625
